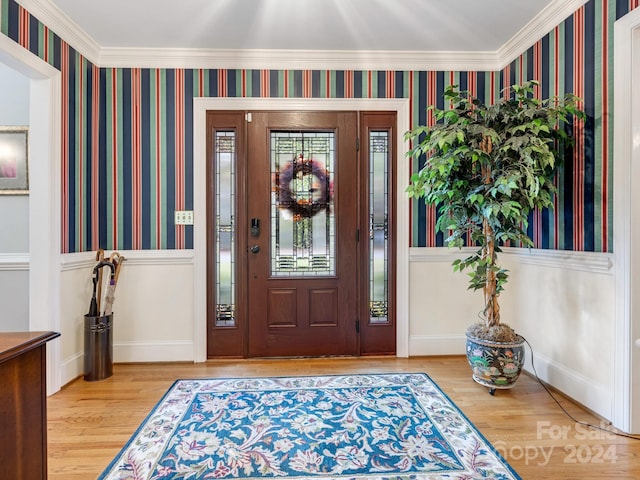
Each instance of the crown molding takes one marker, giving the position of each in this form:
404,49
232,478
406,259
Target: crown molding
551,16
60,23
297,59
49,14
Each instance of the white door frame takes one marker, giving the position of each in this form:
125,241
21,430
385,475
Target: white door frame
200,108
626,223
44,196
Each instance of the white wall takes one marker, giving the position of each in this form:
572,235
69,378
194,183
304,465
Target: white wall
14,215
568,317
14,101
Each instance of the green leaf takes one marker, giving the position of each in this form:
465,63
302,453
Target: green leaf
470,186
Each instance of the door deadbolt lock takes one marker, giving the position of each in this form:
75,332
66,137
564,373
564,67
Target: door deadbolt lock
254,248
255,227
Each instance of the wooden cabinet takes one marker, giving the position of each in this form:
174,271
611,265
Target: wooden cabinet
23,405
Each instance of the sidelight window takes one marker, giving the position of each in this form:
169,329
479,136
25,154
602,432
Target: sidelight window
225,230
378,226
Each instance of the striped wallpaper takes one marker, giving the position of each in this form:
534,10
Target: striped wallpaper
127,158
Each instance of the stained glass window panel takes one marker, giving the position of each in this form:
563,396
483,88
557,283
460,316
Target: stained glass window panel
302,213
378,226
225,171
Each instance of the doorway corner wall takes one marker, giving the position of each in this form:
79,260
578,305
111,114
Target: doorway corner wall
626,216
44,196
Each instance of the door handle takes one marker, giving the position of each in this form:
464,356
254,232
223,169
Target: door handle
254,248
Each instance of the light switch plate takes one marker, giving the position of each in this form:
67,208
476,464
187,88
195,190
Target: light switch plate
183,217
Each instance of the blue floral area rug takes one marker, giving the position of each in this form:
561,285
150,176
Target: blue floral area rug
388,426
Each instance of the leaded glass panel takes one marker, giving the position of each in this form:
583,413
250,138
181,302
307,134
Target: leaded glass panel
225,232
378,226
302,216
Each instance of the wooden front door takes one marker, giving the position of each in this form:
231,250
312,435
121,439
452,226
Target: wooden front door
300,233
302,200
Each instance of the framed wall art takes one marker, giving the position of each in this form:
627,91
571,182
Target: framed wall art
14,161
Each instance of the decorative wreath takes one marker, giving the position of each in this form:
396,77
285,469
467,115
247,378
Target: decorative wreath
319,197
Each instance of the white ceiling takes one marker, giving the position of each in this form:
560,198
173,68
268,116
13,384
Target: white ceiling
406,25
396,33
409,25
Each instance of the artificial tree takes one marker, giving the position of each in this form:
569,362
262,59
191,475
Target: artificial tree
486,167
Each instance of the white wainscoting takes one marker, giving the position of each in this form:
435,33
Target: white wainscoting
153,308
561,302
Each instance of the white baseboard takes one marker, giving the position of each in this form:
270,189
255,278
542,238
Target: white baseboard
72,368
132,352
597,398
421,345
178,351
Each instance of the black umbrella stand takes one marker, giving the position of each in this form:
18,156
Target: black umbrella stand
98,334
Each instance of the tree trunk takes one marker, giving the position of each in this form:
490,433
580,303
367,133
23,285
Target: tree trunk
491,306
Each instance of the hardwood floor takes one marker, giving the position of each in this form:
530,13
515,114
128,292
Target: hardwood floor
89,422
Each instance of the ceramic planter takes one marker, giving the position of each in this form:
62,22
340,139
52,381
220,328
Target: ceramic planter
496,365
